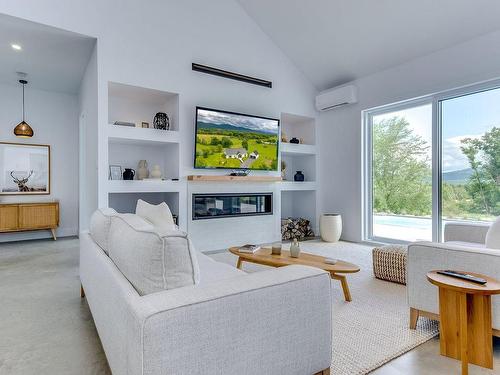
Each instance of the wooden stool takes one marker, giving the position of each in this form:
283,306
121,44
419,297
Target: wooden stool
465,319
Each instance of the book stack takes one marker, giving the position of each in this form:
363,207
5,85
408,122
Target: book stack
250,249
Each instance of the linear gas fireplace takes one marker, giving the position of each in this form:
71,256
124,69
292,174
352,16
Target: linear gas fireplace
214,206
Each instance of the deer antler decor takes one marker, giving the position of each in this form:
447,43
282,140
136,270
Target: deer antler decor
21,183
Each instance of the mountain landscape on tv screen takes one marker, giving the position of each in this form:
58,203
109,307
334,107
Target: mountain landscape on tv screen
233,141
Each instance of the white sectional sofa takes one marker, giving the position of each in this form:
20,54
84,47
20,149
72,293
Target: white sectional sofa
463,250
273,322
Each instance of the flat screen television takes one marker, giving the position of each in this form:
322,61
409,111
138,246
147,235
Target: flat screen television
230,140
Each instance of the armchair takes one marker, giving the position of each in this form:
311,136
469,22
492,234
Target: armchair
463,250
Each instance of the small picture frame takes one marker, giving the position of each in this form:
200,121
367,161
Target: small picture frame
115,172
145,125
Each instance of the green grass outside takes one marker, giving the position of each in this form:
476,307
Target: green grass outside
216,158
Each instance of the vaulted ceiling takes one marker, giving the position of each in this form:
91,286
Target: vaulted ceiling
336,41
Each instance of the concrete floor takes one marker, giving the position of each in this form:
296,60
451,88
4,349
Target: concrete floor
45,328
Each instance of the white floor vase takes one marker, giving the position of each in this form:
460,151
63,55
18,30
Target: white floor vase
330,227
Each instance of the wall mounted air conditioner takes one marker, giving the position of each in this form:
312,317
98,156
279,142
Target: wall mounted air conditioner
336,97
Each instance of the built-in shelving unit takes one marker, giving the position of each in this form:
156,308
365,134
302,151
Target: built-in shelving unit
219,178
145,186
127,145
297,149
299,199
139,136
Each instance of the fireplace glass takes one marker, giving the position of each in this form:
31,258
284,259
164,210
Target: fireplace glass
212,206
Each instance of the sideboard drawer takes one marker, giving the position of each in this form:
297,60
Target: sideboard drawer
9,219
38,216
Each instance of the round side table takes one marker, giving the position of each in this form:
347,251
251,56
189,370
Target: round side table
465,318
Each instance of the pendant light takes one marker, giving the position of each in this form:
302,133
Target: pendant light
23,129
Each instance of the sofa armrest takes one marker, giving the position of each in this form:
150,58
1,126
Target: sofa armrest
272,322
427,256
466,232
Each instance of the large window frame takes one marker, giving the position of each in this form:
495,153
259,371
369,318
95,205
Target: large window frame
435,100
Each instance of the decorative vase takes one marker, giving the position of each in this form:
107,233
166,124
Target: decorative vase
299,176
156,172
294,140
128,174
295,249
142,170
330,227
161,121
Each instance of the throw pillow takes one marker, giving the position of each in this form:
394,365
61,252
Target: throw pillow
100,222
149,261
159,215
493,235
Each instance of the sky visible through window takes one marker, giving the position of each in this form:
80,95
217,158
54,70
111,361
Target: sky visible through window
468,116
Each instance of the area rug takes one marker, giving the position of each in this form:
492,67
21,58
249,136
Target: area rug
372,329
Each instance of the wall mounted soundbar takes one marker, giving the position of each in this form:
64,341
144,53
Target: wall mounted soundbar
231,75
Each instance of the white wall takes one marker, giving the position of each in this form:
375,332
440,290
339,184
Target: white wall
156,43
152,44
88,141
340,129
54,119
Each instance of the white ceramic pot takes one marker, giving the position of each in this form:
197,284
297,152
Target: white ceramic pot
156,172
142,170
330,227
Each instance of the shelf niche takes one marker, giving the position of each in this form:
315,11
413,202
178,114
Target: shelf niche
138,104
301,204
127,155
300,127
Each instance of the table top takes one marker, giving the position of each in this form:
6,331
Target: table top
492,285
264,256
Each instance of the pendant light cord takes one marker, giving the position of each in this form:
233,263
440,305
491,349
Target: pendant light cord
23,102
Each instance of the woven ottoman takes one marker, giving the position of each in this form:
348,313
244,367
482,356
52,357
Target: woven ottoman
389,263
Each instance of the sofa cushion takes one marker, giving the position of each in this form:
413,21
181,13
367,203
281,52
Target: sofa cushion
211,270
157,214
100,222
150,261
493,235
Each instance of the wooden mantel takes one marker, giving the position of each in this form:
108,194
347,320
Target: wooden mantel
213,178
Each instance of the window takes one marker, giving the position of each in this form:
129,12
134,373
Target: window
429,161
471,156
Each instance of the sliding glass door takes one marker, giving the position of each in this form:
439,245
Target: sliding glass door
401,173
470,178
429,161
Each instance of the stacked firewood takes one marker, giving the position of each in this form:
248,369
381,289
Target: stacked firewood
298,228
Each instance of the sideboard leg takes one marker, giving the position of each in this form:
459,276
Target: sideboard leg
82,291
53,231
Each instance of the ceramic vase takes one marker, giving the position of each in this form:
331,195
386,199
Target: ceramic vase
330,227
299,176
142,170
295,249
128,174
156,172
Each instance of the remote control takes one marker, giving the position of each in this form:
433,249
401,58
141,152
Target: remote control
330,261
463,276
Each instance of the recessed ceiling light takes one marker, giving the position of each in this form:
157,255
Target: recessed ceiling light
17,47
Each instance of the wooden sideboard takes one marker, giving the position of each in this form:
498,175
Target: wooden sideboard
18,217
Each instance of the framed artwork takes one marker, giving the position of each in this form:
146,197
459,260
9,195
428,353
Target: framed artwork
145,125
115,172
24,169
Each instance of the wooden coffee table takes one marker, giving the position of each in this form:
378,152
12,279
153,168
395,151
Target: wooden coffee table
264,257
465,319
